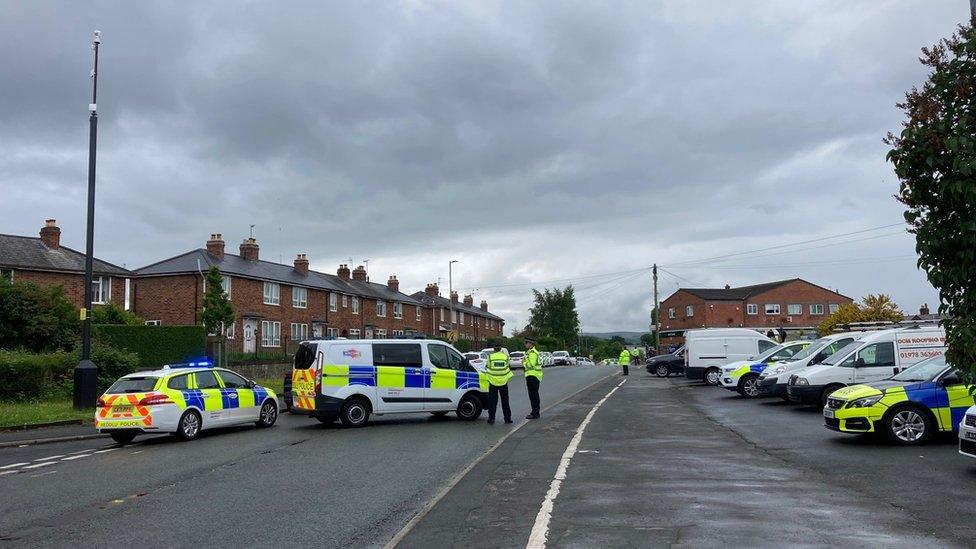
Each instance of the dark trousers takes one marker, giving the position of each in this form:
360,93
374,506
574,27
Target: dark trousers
626,369
532,384
493,392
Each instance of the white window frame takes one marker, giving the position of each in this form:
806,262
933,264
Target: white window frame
104,293
689,310
299,331
672,313
332,332
355,305
418,313
345,301
226,285
397,309
354,332
833,307
461,318
230,330
272,293
795,309
442,314
397,333
154,323
299,297
816,309
334,302
752,309
380,333
270,333
380,308
771,308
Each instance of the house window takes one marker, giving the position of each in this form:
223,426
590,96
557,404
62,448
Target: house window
397,333
270,332
333,302
672,313
7,273
797,309
462,318
332,332
299,297
772,308
380,308
689,310
230,331
299,332
345,301
442,314
418,312
354,333
398,310
355,307
380,333
833,308
272,293
454,317
816,309
225,284
101,289
752,309
154,323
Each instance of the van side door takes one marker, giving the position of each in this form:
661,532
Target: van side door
875,362
401,381
446,367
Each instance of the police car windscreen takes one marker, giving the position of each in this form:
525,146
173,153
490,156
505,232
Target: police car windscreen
305,356
132,385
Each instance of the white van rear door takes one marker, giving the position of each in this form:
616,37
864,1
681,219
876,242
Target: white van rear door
916,347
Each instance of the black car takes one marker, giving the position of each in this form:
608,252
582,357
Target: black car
667,364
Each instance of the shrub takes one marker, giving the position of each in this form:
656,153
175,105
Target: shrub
25,375
38,319
110,313
155,345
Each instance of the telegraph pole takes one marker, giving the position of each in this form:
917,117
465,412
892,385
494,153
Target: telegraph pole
86,373
657,310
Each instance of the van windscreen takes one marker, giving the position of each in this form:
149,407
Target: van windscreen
844,351
305,356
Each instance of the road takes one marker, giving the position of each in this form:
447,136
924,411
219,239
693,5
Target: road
298,482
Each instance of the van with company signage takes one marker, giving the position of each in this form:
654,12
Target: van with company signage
773,379
350,380
708,349
875,357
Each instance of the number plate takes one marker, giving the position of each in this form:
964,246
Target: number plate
829,414
122,409
971,436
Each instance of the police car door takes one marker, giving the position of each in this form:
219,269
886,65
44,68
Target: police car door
443,367
238,398
401,381
213,404
958,398
875,362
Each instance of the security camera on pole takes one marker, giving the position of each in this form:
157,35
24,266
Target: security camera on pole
86,373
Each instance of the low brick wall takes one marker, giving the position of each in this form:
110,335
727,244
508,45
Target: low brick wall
262,371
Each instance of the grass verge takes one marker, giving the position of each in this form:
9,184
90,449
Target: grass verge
276,384
18,414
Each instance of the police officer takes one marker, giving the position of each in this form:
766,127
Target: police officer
624,360
533,376
635,356
498,375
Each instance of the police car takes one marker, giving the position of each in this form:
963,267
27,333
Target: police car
182,399
909,408
743,376
967,433
352,379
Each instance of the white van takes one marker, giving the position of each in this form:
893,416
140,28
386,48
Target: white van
708,349
874,357
772,380
351,379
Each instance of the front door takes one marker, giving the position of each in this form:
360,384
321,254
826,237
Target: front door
369,333
250,342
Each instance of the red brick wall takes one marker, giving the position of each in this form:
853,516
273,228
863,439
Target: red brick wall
796,292
173,300
73,284
679,300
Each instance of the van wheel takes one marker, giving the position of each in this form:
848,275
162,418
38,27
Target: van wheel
354,412
826,393
662,370
908,425
189,426
269,414
712,376
123,437
469,409
749,386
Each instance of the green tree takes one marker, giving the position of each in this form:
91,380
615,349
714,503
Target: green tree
110,313
217,309
934,157
36,318
554,315
648,340
873,308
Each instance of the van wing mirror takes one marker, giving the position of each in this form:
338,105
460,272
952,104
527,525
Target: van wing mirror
859,362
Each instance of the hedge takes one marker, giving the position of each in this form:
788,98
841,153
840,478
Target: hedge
25,375
155,345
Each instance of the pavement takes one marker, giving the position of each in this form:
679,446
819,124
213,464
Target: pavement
657,468
16,437
320,484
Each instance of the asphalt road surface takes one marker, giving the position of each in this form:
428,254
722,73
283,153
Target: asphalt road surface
298,483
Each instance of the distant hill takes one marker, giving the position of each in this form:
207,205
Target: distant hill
629,337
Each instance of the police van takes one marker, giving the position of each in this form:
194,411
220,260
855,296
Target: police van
774,378
875,357
350,380
708,349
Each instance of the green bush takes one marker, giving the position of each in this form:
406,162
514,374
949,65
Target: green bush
36,318
237,359
112,363
155,345
25,375
110,313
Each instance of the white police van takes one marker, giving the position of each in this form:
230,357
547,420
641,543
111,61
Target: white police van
352,379
874,357
773,380
708,349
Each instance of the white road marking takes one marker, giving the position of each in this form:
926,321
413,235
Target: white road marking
540,531
12,465
105,450
81,451
69,458
44,464
49,458
136,452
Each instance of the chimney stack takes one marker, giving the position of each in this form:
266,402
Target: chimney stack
359,273
454,297
924,309
343,272
249,249
301,264
484,305
727,287
432,290
216,246
393,283
51,234
469,300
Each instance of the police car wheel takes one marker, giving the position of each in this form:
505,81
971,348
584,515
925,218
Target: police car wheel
269,414
355,412
662,370
712,376
908,425
189,425
749,386
123,437
469,409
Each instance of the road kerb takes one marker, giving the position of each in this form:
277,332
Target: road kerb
35,441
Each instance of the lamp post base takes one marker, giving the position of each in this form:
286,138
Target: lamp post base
86,385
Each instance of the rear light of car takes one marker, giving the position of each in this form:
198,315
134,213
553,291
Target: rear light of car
101,403
153,400
318,381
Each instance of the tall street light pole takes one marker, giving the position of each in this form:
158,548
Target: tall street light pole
450,288
86,373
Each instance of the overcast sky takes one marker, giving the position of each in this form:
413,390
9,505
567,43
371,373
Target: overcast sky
532,141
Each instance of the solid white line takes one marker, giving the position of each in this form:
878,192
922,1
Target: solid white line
45,464
49,458
105,450
540,531
12,465
69,458
81,451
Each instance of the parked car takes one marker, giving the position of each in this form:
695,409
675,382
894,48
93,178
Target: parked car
545,357
773,380
708,349
668,363
477,360
561,358
967,433
583,361
743,376
515,359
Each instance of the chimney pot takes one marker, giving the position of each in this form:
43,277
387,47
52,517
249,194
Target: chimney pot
432,290
359,273
469,300
393,283
343,271
484,305
727,287
249,249
51,234
301,264
216,246
454,297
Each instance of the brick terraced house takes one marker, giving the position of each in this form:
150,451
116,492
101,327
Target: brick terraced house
45,262
794,304
473,323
